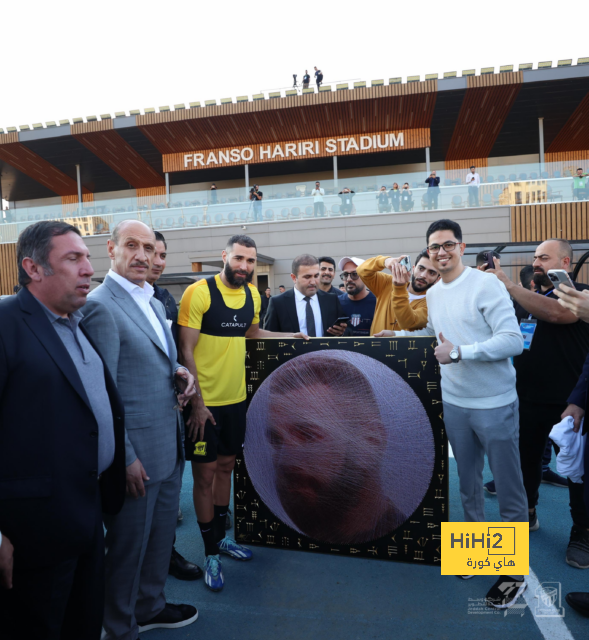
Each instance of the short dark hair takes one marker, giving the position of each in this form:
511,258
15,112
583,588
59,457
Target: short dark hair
268,288
526,275
304,260
281,286
481,257
422,254
35,242
159,237
244,241
444,225
327,259
472,166
580,169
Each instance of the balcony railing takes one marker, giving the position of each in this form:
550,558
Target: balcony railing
505,185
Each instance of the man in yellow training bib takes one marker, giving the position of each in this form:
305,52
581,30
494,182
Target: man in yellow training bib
216,316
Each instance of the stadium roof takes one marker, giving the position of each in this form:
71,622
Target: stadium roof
470,117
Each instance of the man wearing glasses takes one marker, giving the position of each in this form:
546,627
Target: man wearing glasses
472,317
357,302
403,293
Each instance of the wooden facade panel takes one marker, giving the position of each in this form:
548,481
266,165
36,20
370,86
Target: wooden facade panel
276,123
574,136
296,149
8,268
120,156
495,79
538,222
20,157
482,115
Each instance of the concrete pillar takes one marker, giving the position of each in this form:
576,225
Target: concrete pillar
247,179
427,167
79,187
541,137
167,189
335,172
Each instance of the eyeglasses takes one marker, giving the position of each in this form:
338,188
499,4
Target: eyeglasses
448,246
345,275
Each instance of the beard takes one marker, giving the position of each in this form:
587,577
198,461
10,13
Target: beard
354,289
418,287
542,280
236,278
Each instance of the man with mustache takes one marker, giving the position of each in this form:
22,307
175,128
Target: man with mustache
560,343
129,326
401,296
216,316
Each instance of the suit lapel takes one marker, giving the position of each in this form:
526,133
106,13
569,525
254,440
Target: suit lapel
292,309
157,308
38,322
131,308
323,302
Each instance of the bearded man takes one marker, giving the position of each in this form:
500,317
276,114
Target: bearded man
400,296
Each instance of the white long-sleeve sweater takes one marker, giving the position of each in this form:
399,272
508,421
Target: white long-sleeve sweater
475,312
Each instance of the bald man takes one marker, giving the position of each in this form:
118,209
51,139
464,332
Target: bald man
547,373
129,327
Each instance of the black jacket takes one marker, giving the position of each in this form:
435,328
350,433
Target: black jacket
50,495
170,306
282,312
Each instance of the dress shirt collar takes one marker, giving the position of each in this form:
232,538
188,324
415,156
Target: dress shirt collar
301,296
131,287
73,318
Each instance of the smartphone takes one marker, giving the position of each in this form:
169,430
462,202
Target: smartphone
406,262
342,320
488,255
560,276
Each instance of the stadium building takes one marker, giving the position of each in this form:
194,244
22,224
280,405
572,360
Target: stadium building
526,131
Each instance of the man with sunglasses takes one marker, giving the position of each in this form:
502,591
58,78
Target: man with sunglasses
403,293
472,317
357,302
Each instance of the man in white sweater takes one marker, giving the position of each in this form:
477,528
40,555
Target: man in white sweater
472,316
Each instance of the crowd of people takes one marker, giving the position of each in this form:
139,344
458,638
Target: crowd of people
92,451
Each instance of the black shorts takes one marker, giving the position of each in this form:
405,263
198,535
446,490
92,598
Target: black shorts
226,438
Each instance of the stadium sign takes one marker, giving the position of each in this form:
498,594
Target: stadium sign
295,150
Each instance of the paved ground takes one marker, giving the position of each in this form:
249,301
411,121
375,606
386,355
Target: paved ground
289,595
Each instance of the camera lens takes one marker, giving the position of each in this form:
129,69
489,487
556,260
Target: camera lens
552,277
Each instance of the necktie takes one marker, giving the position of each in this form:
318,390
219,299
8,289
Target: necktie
311,332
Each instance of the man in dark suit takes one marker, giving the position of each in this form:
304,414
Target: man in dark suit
62,452
305,308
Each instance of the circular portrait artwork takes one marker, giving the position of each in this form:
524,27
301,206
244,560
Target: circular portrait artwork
339,447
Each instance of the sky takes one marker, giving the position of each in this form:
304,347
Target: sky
68,59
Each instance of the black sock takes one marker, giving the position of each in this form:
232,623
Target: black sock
220,518
208,535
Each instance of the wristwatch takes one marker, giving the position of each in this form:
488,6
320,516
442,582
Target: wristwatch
454,355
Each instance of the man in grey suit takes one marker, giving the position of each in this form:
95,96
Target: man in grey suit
129,327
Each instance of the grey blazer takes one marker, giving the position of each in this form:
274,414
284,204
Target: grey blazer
143,373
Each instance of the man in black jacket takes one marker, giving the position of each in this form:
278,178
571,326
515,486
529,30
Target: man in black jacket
265,302
306,308
433,190
62,454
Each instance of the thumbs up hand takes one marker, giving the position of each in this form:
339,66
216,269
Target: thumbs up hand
442,351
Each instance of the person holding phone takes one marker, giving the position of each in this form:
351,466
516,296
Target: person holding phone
357,302
400,295
395,197
433,190
305,307
559,342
